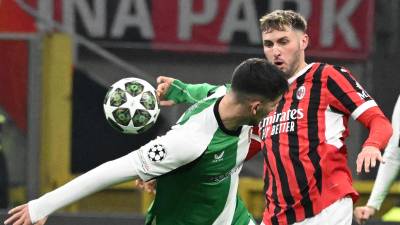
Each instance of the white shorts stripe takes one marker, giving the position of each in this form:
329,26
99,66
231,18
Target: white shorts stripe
339,213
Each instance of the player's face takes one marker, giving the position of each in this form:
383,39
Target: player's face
262,109
285,49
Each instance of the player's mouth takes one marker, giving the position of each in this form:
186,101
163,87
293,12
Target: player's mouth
278,63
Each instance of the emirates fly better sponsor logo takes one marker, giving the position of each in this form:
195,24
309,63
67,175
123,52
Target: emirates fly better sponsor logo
282,122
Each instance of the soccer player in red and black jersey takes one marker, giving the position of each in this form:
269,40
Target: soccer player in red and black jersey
307,180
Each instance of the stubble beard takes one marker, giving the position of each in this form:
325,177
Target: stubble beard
294,66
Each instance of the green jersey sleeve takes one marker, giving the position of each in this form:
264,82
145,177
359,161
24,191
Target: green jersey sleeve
180,92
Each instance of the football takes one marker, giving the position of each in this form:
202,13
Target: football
131,105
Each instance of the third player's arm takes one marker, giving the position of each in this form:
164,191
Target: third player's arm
180,92
387,172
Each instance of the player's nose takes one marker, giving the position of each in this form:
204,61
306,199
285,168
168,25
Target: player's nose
275,51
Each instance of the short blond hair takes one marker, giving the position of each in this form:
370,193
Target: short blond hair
278,19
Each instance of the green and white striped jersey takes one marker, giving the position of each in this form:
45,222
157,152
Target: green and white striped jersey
197,164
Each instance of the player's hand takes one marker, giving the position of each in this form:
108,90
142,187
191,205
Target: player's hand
363,213
162,88
20,216
367,158
149,186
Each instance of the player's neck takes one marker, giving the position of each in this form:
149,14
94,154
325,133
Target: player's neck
230,113
302,64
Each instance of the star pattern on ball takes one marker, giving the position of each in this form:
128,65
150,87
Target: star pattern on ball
156,153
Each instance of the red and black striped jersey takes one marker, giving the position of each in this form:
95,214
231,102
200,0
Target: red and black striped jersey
305,166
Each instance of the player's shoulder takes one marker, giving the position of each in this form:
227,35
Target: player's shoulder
333,70
200,115
218,92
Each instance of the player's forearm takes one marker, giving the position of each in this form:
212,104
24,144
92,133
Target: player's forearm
105,175
180,92
387,173
380,129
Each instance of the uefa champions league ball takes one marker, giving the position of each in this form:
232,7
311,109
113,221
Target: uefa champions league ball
131,105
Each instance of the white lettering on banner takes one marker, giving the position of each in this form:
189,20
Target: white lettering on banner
94,22
331,17
112,19
233,23
141,19
187,17
45,11
303,6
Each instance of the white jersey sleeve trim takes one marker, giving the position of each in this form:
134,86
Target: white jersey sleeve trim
388,171
105,175
362,108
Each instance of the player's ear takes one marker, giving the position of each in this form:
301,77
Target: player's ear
254,106
304,39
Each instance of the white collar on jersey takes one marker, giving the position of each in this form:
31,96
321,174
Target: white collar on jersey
292,79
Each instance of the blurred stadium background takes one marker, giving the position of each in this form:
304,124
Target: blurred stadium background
57,58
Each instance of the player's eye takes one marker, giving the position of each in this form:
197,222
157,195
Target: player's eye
283,41
268,44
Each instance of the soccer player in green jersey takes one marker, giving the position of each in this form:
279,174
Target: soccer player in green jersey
196,163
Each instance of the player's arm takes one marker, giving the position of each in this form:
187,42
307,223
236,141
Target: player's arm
156,158
349,97
387,172
380,131
105,175
179,92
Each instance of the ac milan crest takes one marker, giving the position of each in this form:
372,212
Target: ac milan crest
301,92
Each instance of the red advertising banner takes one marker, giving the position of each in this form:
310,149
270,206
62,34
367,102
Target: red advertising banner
14,80
14,19
338,28
341,28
